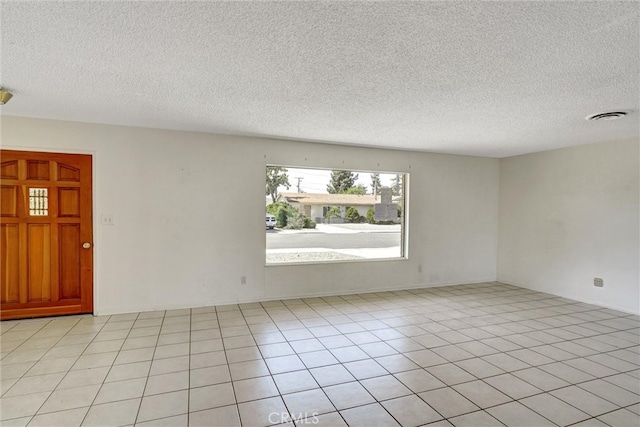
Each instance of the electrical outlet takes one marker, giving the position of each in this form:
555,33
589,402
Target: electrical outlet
107,219
598,282
243,280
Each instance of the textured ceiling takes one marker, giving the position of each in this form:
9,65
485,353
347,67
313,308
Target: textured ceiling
480,78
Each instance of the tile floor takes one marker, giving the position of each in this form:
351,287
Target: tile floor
469,355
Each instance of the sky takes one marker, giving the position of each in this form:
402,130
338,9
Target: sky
316,180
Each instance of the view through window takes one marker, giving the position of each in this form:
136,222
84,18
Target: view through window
319,215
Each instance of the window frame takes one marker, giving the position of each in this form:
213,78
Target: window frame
404,219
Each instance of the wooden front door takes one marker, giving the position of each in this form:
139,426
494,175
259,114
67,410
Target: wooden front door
46,248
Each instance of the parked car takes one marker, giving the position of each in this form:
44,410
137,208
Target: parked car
271,221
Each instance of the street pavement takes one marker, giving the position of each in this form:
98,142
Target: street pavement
335,237
333,242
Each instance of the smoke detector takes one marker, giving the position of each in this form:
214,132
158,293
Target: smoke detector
611,115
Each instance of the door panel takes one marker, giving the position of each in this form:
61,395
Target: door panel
38,169
10,264
69,202
70,245
39,261
45,219
9,200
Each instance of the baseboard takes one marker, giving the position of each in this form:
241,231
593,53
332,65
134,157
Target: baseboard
572,297
108,312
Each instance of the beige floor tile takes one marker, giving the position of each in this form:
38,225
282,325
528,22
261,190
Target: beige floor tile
482,394
385,387
554,409
318,358
367,416
419,380
35,384
171,350
348,395
512,386
281,364
541,379
17,370
426,358
140,342
505,362
364,369
174,421
163,405
477,348
206,346
255,388
95,360
67,418
332,419
169,365
411,411
205,334
103,347
304,403
249,369
620,417
238,342
209,376
585,401
84,377
41,367
331,375
111,335
350,354
516,414
396,363
624,381
144,332
263,412
306,345
212,396
121,390
475,419
204,360
378,349
70,398
335,341
611,392
448,402
225,416
450,374
567,373
276,349
164,383
128,371
30,355
21,406
119,413
291,382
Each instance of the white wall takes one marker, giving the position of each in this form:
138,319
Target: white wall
569,215
189,208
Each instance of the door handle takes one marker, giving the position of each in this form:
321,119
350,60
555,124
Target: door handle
86,245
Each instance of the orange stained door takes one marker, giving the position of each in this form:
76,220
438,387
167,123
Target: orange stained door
46,234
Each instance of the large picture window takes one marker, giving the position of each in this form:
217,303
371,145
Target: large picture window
320,215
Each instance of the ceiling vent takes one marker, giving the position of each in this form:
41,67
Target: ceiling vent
612,115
